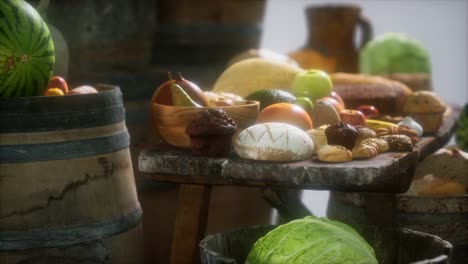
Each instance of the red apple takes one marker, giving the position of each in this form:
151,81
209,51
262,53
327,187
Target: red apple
353,117
368,110
163,95
57,82
337,105
337,97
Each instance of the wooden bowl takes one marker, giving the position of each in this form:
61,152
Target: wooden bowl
169,121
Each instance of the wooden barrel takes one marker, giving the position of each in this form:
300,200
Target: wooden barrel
378,216
67,190
232,247
446,217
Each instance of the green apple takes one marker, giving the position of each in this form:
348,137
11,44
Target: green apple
305,103
313,84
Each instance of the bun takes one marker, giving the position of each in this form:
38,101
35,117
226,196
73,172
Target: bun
274,141
318,137
359,89
380,145
334,153
427,109
398,143
364,151
364,132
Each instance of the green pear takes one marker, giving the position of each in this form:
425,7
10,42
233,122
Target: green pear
180,97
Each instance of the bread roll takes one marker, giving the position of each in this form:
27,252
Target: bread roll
274,141
398,143
334,153
318,137
427,109
359,89
364,151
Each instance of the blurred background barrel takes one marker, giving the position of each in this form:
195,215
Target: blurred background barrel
446,217
205,33
378,216
67,192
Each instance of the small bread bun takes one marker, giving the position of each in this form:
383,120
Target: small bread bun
379,144
318,137
398,143
364,151
364,132
334,153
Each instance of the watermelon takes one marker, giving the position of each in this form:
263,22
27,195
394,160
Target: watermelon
27,55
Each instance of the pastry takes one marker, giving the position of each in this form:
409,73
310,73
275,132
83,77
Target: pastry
398,143
426,108
364,132
380,145
398,130
318,137
364,151
359,89
334,153
211,132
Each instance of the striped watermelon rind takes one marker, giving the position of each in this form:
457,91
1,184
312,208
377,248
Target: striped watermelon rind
27,55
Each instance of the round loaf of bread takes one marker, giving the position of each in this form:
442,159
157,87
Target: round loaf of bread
359,89
273,141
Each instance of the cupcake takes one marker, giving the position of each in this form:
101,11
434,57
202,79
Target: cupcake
427,109
211,132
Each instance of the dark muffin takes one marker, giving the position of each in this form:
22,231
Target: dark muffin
211,133
341,134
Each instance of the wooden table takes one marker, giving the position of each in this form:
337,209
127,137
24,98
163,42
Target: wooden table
389,173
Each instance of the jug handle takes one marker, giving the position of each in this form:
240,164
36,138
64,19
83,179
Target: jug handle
366,29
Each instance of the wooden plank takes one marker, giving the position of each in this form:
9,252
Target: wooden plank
389,172
190,222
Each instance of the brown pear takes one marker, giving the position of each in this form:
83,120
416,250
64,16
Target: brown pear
324,113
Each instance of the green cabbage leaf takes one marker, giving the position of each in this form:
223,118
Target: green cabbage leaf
312,240
394,53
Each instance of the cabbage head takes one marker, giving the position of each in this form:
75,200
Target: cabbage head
394,53
311,240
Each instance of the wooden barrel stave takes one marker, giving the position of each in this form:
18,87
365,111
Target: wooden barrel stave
67,188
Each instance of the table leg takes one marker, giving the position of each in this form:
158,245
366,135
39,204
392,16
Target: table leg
287,202
190,222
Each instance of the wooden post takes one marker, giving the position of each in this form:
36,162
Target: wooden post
190,222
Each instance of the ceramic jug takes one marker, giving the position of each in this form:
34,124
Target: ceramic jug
331,42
